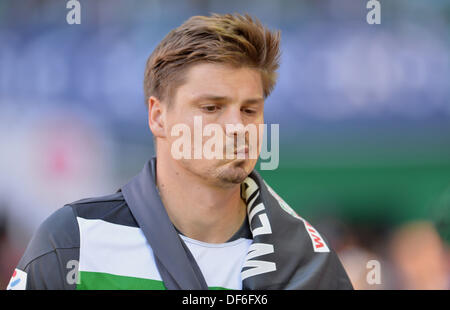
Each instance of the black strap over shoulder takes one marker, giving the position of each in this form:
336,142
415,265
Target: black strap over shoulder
176,265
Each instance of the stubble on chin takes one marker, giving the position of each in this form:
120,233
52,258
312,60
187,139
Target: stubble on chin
224,174
233,173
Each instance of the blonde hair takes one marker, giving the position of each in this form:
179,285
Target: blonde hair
230,39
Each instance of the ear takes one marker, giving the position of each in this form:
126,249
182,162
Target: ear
156,117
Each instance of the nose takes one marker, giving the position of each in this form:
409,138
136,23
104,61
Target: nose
234,127
233,116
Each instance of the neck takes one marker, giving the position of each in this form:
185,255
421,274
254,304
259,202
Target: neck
199,210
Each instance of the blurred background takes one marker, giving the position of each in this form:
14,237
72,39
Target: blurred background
364,114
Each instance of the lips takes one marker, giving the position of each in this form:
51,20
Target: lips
242,153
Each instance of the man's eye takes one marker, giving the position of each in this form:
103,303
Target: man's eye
249,111
210,108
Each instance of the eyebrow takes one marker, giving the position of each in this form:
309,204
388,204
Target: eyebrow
225,99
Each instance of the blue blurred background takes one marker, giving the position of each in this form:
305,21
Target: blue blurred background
364,114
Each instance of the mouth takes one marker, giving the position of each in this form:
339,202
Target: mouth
240,153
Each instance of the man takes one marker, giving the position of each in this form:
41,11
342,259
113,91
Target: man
196,221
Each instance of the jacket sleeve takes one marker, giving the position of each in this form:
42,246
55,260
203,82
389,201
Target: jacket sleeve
51,258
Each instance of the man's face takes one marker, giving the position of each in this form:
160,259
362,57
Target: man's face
221,95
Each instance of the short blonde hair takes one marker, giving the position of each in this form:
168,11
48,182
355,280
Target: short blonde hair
227,39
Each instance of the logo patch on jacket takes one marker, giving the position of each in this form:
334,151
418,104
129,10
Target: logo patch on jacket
318,244
18,280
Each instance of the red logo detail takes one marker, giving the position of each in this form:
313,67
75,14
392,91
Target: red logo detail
317,241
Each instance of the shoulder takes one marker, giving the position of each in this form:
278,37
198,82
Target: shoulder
52,247
56,243
61,229
309,234
58,231
321,267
